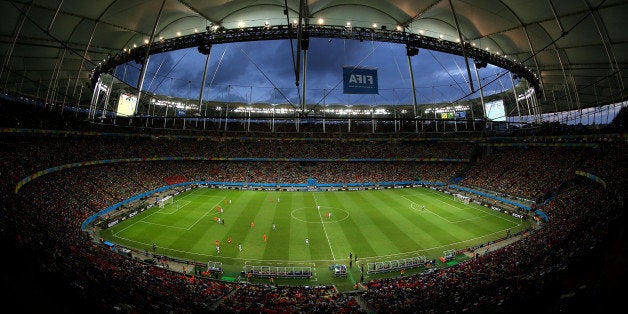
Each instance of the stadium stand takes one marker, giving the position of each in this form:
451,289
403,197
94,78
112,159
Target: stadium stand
41,224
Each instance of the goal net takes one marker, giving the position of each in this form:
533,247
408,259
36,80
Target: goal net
166,200
462,198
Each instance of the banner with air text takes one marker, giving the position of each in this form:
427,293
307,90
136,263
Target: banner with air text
359,80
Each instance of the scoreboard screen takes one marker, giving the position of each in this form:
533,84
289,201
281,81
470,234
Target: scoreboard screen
127,104
495,110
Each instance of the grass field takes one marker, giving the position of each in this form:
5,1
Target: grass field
375,225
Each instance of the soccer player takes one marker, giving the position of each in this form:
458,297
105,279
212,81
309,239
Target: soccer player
307,241
264,237
274,228
423,207
318,207
217,242
229,240
218,249
240,247
252,224
327,215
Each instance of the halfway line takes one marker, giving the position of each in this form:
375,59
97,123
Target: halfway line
324,229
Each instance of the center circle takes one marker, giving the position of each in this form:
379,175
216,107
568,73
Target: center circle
323,214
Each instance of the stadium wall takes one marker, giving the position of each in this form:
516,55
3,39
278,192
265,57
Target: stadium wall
501,199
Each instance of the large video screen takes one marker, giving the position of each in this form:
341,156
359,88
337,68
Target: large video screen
126,105
495,110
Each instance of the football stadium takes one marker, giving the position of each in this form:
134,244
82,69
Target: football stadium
294,156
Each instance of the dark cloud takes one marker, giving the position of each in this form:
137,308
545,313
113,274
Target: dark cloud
263,71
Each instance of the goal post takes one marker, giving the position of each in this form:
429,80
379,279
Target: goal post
161,202
462,198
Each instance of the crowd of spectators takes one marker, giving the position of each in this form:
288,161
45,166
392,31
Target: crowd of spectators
528,172
283,299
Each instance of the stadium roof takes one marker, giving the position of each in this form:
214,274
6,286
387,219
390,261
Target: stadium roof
578,48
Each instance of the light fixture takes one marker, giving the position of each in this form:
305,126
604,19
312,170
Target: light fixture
421,31
146,41
348,24
241,24
399,28
196,30
374,25
321,21
441,36
178,34
134,46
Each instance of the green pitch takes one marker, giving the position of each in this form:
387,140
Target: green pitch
375,225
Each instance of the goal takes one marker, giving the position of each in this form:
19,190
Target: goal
462,198
161,202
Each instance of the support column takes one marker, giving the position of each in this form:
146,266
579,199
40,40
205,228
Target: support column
89,43
525,30
67,86
477,76
104,106
200,96
95,94
55,81
395,119
147,55
37,93
464,51
303,102
7,59
514,91
78,102
537,105
414,105
226,114
373,120
436,121
55,86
